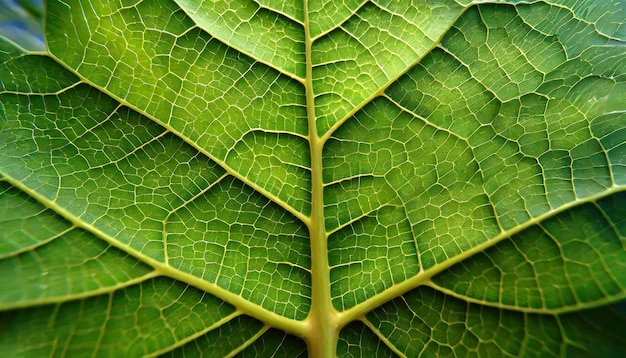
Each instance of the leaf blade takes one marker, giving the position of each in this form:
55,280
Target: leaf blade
472,171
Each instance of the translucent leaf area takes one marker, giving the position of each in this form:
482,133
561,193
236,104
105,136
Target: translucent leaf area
315,178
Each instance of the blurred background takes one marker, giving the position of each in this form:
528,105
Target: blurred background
21,21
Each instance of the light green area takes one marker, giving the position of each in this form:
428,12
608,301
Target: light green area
291,178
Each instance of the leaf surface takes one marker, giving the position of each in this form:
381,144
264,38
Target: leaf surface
281,178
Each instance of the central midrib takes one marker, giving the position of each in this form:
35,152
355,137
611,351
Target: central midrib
322,330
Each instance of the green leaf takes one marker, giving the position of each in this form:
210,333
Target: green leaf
350,178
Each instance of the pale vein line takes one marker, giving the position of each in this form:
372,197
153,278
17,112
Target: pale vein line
384,339
241,50
302,217
81,295
340,24
424,277
259,312
44,94
181,342
107,319
365,214
248,342
37,244
165,221
546,311
269,9
382,88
